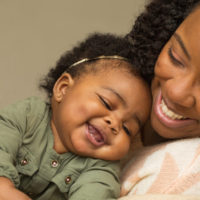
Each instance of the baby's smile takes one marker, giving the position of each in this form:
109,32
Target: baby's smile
95,136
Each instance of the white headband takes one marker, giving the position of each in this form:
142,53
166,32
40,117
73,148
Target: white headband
96,58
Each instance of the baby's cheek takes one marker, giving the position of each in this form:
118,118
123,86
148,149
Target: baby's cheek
90,109
123,147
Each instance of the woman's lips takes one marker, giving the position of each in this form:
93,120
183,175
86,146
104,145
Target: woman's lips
95,136
167,117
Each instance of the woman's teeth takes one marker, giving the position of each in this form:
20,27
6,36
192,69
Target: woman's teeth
170,113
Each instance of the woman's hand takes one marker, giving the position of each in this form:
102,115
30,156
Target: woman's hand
9,192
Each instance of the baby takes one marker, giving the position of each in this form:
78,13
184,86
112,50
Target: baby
70,147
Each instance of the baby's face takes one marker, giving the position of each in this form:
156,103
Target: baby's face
98,114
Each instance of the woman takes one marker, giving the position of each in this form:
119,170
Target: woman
167,38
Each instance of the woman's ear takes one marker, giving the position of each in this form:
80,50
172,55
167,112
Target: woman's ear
64,82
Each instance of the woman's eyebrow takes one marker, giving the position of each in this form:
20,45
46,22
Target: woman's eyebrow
182,45
116,94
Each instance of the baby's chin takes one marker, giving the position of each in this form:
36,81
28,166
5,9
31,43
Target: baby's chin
99,156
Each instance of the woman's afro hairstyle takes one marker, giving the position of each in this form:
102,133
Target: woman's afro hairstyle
153,28
95,45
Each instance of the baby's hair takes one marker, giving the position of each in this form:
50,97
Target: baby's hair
94,46
154,27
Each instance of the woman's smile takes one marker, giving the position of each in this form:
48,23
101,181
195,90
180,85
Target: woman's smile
168,117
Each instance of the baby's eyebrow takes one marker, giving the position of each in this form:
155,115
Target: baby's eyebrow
116,94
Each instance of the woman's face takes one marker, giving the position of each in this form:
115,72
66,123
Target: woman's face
176,85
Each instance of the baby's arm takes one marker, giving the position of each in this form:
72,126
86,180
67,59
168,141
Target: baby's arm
12,126
9,192
97,182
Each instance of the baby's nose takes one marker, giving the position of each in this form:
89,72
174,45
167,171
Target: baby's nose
113,124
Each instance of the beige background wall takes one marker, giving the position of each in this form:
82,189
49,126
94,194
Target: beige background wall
34,33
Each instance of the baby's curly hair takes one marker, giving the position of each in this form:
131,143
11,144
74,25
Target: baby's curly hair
95,45
154,27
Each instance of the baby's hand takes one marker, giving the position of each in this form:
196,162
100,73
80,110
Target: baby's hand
9,192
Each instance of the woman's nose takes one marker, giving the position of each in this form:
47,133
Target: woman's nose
113,123
181,92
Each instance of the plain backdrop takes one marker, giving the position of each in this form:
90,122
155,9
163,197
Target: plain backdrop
34,33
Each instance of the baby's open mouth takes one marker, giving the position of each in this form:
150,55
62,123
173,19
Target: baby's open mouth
95,136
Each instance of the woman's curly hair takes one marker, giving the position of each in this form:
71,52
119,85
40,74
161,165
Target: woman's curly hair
95,45
153,28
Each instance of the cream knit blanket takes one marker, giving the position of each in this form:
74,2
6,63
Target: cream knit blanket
168,168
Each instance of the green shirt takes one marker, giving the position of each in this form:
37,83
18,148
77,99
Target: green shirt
28,159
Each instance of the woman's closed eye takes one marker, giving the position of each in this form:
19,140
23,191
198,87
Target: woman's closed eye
174,59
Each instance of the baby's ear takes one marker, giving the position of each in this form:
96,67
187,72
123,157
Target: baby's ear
64,82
